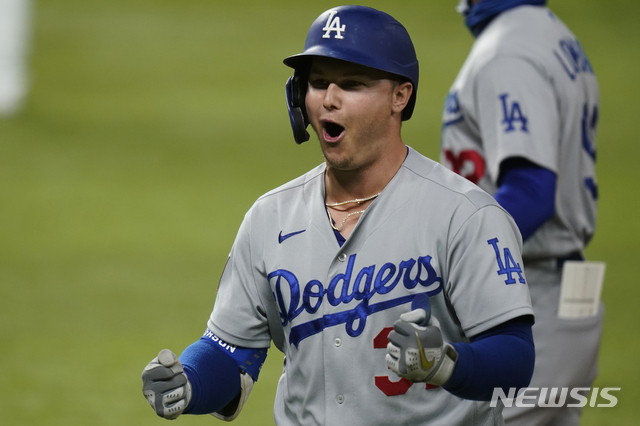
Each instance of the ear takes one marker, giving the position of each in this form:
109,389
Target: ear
401,95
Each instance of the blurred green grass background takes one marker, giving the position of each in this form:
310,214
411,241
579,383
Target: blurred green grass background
152,126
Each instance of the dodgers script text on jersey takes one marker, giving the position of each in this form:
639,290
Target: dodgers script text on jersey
341,291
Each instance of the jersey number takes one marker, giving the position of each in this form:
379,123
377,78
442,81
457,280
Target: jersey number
589,125
385,384
468,163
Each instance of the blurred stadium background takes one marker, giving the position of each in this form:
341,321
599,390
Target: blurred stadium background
151,127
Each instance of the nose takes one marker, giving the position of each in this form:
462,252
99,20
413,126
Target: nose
332,97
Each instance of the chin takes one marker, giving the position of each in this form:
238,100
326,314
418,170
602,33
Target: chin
340,163
336,157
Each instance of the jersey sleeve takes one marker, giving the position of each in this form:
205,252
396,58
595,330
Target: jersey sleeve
517,113
240,316
486,284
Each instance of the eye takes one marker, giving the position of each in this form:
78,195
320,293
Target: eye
318,83
352,84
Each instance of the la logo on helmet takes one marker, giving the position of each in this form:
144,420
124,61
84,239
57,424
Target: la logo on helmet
333,24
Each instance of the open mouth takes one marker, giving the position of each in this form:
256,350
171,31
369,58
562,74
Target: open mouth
332,131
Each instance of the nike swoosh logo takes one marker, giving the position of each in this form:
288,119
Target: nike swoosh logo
281,237
423,359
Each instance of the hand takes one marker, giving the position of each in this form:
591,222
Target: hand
165,385
416,350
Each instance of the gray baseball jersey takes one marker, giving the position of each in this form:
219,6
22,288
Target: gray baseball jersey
330,308
528,90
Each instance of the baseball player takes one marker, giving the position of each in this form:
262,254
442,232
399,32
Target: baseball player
393,286
520,121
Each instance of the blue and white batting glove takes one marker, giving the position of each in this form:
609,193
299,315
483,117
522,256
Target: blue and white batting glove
417,352
165,385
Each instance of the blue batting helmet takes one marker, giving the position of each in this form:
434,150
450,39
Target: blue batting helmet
356,34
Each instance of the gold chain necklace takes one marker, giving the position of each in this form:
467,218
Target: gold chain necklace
343,220
357,200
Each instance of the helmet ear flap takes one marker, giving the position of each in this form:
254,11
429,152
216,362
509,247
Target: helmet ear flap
296,90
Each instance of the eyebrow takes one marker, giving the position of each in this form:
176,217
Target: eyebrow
347,74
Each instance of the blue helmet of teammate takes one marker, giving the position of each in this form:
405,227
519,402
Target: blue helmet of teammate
356,34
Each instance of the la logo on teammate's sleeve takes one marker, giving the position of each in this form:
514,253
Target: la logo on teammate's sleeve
512,115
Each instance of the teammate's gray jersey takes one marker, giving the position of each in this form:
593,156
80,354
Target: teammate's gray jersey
523,95
330,308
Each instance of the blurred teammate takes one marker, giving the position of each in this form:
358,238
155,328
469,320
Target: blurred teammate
377,263
520,121
15,41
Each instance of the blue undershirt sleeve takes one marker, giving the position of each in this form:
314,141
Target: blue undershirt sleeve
528,193
214,377
502,357
213,369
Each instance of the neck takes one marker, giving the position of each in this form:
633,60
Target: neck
342,185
